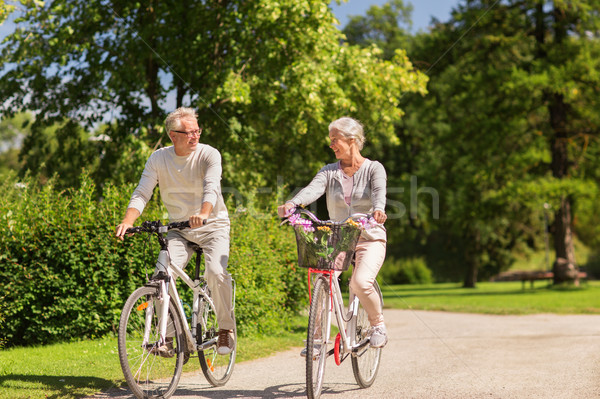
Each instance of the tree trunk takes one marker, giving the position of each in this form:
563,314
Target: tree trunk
564,268
472,259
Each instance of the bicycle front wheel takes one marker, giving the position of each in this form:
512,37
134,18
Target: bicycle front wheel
317,337
216,368
365,363
150,369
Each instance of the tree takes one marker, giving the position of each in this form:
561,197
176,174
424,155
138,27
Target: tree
387,27
12,132
266,76
495,153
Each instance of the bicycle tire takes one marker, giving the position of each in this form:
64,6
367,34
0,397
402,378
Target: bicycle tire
365,364
148,374
217,369
317,337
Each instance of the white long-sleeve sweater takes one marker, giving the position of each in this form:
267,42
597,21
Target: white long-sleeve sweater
185,183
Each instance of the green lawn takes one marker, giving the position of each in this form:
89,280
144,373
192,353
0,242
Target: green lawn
496,298
77,369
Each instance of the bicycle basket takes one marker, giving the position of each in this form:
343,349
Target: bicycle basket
326,247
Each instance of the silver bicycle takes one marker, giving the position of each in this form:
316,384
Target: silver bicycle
155,339
326,248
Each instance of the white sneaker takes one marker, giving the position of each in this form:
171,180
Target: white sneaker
226,342
378,337
316,351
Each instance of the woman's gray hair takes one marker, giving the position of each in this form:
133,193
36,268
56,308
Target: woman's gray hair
172,120
349,128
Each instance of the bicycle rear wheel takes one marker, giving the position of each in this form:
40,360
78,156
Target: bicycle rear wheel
317,337
365,363
150,373
216,368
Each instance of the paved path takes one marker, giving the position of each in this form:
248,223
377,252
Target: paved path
439,355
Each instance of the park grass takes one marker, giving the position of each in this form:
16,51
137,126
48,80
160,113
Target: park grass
82,368
496,298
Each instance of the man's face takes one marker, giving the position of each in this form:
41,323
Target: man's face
185,143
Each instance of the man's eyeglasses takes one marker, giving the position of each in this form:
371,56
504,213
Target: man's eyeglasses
190,134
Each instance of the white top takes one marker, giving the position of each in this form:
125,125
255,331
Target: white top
347,183
185,183
368,193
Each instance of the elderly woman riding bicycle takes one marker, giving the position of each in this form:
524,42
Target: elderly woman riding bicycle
352,185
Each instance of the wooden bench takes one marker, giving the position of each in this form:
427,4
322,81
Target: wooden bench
531,276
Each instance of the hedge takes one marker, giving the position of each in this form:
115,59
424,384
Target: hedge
65,276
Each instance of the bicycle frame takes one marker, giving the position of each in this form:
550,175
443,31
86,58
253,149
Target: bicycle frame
343,317
168,289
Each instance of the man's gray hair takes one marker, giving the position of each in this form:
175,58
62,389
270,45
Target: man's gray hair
172,121
349,128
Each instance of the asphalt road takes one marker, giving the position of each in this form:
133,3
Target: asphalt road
438,355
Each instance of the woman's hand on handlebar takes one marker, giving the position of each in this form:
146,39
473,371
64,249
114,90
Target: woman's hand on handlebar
285,210
380,217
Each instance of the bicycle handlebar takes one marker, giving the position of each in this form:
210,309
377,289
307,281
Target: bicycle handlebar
156,226
327,222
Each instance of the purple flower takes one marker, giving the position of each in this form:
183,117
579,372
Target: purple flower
367,223
297,220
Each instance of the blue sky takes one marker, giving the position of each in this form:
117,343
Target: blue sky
423,10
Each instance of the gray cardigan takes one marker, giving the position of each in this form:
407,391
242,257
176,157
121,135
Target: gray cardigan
368,193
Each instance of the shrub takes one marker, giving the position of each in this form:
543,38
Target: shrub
64,273
405,271
262,261
592,267
66,276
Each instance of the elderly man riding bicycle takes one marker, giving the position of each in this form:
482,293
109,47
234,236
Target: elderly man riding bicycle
189,175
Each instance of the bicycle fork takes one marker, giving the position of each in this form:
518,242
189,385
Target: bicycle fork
161,308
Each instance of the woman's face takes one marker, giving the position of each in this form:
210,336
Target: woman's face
340,145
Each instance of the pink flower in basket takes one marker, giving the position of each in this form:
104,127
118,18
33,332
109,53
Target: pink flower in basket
297,220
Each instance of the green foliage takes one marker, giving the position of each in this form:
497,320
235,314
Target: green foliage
405,271
63,149
271,289
63,272
5,10
67,277
383,27
12,132
266,76
509,124
2,306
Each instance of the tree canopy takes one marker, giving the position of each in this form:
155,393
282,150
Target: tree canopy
493,112
509,124
266,77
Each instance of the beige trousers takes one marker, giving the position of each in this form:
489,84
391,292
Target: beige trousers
216,255
369,259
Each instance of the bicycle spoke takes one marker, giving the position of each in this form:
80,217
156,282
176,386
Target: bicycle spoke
216,368
317,337
365,363
147,372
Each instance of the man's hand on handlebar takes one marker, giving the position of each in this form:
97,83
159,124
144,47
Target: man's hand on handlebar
198,220
122,229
